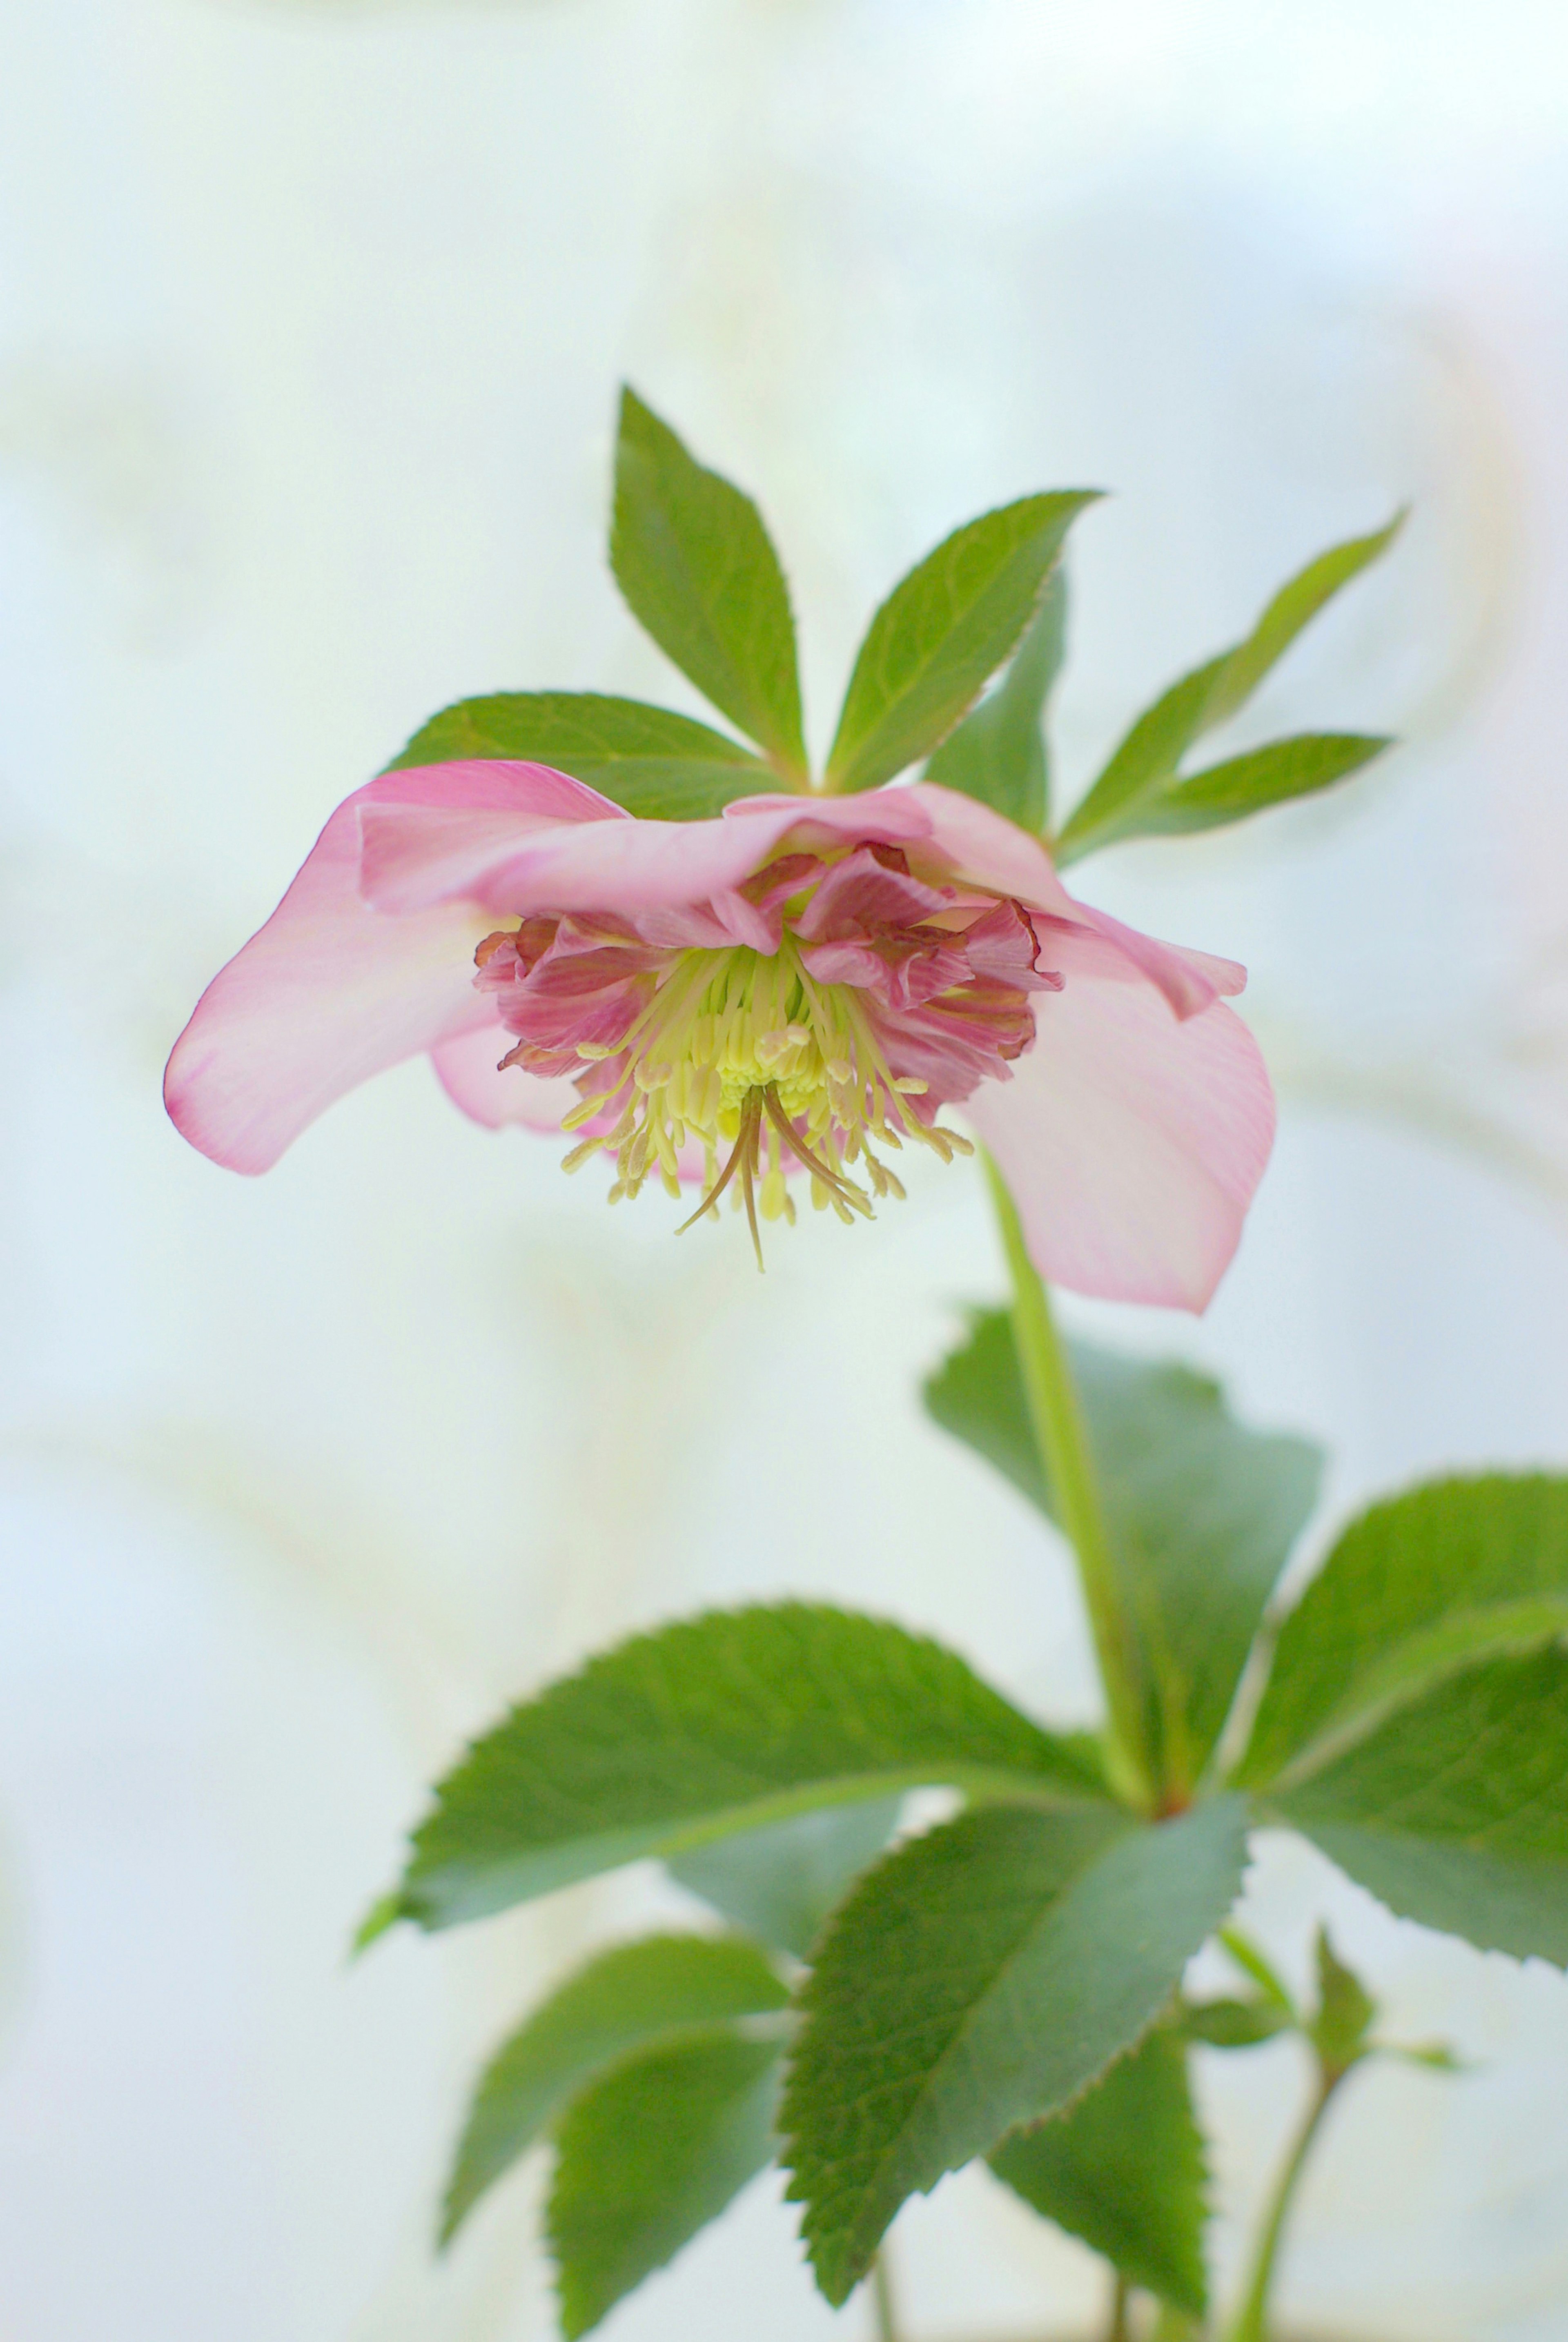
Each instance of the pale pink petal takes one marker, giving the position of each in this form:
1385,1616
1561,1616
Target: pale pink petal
328,993
466,1070
436,831
1132,1142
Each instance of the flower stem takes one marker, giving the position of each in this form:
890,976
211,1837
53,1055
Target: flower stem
1062,1443
1117,2330
882,2300
1252,2321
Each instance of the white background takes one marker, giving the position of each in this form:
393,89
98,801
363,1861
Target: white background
310,325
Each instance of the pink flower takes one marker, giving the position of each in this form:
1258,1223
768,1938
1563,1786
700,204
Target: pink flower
801,984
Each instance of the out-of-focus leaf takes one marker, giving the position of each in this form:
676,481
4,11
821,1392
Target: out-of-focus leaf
629,1995
998,753
698,569
1271,776
648,2154
1345,2013
1233,2024
942,633
1143,768
781,1883
1123,2168
978,1978
715,1725
657,765
1202,1512
1418,1587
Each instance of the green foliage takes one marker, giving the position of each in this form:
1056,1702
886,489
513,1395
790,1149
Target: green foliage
628,1998
649,2155
717,1724
1201,1512
942,632
781,1883
1123,2169
698,569
1345,2013
980,1977
1421,1586
1454,1809
998,753
1140,791
654,764
1233,2024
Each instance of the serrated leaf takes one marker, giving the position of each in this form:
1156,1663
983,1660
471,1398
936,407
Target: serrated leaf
698,570
1345,2011
781,1883
980,1977
1421,1586
942,633
1147,761
1233,2024
1202,1512
631,1995
1271,776
1124,2170
714,1725
657,765
997,753
1454,1810
648,2156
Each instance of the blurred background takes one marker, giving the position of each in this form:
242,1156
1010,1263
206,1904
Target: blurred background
311,320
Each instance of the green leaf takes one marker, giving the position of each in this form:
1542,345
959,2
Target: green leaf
942,632
717,1724
1201,1512
980,1977
1346,2012
1123,2169
657,765
698,570
781,1883
1296,768
1233,2024
1454,1810
648,2156
998,753
1144,767
631,1995
1421,1586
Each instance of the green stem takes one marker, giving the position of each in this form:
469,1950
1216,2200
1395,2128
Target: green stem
882,2300
1117,2331
1252,2321
1064,1445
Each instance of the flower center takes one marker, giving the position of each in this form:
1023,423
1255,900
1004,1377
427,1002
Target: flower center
745,1056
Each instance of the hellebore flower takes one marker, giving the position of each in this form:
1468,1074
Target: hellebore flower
801,984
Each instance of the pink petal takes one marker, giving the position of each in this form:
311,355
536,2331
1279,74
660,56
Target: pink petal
466,1070
328,993
1132,1142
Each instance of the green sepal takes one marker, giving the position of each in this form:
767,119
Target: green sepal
1142,774
631,1995
711,1726
997,754
698,569
648,2154
1123,2168
942,633
648,760
980,1977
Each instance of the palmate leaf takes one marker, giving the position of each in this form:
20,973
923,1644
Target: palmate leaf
980,1977
1202,1512
781,1883
698,570
648,2154
628,1997
657,765
998,753
1123,2168
714,1725
942,633
1139,791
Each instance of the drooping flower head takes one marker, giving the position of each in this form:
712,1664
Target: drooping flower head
799,985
